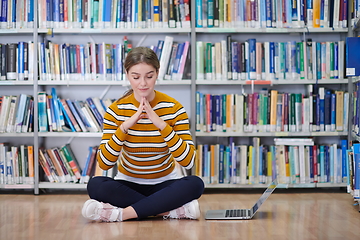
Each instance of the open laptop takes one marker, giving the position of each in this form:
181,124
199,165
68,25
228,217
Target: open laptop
234,214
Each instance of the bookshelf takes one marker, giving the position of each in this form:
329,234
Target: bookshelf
215,86
183,90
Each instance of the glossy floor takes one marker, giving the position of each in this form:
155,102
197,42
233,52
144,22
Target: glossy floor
285,215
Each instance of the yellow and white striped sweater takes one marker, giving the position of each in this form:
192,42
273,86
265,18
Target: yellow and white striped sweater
146,153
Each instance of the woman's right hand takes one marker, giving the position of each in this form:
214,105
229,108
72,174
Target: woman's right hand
134,118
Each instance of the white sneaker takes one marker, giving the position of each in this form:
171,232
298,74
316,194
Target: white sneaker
190,210
99,211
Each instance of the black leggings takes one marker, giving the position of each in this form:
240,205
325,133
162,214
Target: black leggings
147,200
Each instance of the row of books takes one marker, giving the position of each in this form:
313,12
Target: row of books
57,114
253,60
17,14
61,166
90,61
291,161
273,111
274,14
16,164
104,61
16,113
114,14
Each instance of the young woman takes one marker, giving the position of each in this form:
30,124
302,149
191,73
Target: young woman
146,132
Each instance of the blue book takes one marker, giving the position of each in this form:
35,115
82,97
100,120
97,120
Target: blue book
205,163
95,111
311,162
352,56
43,120
80,113
199,14
4,10
252,59
66,117
56,12
336,60
49,13
356,147
221,163
176,64
261,174
344,147
322,108
159,48
218,112
57,112
20,61
318,60
322,163
76,115
327,163
235,60
107,12
333,112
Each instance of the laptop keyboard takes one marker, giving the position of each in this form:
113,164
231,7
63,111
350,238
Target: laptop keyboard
236,213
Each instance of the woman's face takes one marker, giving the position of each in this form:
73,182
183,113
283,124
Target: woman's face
142,78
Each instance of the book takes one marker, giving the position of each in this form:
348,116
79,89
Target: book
352,58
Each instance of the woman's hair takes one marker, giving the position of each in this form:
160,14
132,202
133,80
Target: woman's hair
140,55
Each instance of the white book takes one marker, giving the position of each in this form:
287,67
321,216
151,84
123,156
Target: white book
22,162
341,58
243,164
90,117
15,164
99,106
224,60
9,168
4,113
20,113
165,55
306,115
12,113
302,163
239,113
2,163
336,22
336,165
31,60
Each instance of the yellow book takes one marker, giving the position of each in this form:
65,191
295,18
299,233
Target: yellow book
287,162
339,110
31,163
212,163
273,105
316,13
250,165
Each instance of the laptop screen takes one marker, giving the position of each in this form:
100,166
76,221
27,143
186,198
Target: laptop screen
265,195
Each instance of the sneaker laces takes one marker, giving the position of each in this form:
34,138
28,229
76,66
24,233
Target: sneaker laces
106,212
178,213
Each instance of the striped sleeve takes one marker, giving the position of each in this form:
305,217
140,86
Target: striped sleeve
112,138
178,138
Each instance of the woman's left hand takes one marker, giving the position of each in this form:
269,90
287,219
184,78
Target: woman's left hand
154,118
